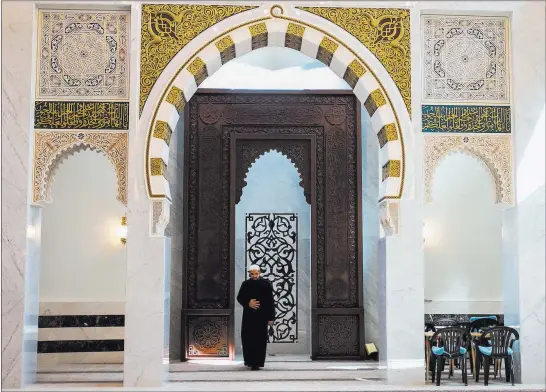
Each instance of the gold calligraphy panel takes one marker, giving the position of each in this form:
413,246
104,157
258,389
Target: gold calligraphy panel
81,115
384,31
167,28
473,119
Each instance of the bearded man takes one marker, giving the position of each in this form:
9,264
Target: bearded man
256,298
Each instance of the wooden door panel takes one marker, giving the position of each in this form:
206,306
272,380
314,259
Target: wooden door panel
320,133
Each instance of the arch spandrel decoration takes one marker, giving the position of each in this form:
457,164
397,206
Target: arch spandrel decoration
279,29
384,31
492,151
168,28
51,148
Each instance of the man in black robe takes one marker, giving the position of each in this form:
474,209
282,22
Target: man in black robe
256,298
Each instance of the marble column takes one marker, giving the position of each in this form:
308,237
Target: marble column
523,226
175,231
370,227
32,294
147,302
18,319
401,294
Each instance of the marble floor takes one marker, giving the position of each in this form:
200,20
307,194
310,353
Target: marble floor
286,374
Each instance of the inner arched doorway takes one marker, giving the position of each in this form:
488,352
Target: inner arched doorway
273,230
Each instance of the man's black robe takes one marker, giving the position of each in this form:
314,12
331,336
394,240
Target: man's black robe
254,326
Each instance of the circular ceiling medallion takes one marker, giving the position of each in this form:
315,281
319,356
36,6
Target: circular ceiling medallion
276,10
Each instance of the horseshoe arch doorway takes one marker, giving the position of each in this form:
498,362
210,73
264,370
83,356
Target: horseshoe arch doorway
225,132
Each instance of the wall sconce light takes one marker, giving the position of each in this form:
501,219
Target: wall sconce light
31,232
427,233
123,230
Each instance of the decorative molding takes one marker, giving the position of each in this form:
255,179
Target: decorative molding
475,119
259,35
176,98
78,346
388,217
355,70
256,31
158,167
326,50
160,216
384,31
374,101
493,151
83,54
335,114
81,321
387,134
294,36
391,169
198,69
162,130
465,58
168,28
51,148
81,115
226,47
298,152
207,336
339,335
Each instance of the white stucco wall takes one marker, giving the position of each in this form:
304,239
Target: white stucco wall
83,259
463,264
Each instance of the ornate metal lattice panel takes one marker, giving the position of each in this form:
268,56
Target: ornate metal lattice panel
272,243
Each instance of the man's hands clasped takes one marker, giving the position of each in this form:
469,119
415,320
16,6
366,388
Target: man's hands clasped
254,304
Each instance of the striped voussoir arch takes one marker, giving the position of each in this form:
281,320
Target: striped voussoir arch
284,33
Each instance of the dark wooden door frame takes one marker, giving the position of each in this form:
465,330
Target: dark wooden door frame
232,202
327,318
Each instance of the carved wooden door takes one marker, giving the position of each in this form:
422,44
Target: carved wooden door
225,132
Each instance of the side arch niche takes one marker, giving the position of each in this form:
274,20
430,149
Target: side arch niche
304,30
51,148
492,151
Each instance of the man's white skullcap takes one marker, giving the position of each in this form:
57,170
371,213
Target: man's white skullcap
254,267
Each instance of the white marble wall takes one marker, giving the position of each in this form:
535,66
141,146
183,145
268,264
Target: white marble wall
370,228
17,102
175,230
524,230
